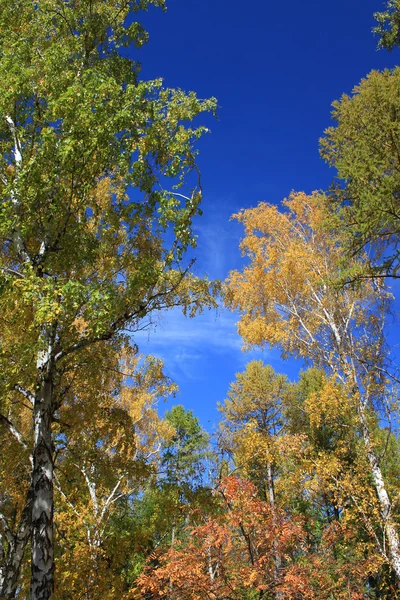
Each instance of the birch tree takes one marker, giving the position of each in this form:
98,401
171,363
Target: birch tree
90,156
288,297
252,421
107,448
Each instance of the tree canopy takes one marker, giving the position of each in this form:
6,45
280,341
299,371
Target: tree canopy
87,151
363,146
294,496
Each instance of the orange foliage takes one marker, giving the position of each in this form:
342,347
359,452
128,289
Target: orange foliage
230,555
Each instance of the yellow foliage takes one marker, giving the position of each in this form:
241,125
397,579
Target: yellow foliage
287,295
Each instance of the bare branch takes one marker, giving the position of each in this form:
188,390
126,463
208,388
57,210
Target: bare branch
26,393
111,498
14,432
13,272
57,485
17,146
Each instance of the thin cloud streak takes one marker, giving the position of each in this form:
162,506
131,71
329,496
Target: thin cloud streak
210,330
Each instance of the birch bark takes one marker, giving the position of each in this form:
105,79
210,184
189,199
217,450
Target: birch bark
277,554
383,497
42,539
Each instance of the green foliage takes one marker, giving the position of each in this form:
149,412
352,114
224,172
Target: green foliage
98,190
363,146
79,131
183,456
388,27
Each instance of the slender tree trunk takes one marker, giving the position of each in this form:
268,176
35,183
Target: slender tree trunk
15,553
42,573
42,561
277,555
2,564
173,536
383,497
210,568
271,488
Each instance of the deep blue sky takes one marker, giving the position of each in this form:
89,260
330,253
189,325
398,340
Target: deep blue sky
275,69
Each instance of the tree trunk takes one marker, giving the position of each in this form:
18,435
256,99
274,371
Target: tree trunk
383,498
16,549
42,574
277,555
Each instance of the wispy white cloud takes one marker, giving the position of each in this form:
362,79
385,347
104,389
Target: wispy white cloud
183,343
217,251
211,328
195,349
202,355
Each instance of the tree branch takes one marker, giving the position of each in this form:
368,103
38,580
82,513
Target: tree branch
14,432
26,393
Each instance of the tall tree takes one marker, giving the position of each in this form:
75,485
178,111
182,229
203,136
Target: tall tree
183,460
252,420
108,442
81,259
288,298
183,455
329,482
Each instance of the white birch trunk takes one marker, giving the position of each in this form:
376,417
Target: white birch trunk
383,497
275,549
42,573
